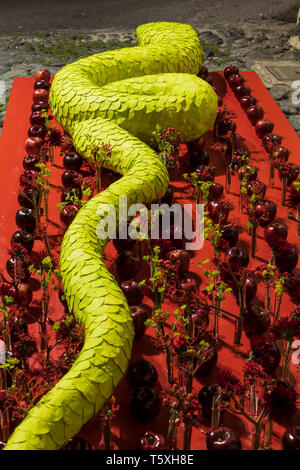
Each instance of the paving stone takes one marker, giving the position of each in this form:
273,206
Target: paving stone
280,92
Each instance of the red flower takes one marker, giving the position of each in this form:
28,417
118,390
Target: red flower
230,382
285,328
253,370
293,198
280,401
55,138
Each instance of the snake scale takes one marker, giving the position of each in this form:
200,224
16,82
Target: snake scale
117,97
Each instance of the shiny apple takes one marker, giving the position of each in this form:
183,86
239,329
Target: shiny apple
255,113
40,94
23,238
33,145
263,127
132,291
151,441
141,373
43,74
223,438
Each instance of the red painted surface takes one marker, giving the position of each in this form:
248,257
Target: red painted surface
127,428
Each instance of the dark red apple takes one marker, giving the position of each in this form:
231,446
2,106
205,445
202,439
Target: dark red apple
256,320
237,258
24,294
218,211
25,219
68,178
68,214
43,74
291,175
263,127
235,80
265,212
39,106
24,238
37,119
230,234
132,291
247,101
139,315
182,260
12,264
280,154
144,403
151,441
286,257
275,233
40,94
242,90
33,145
223,439
231,70
141,373
41,84
28,198
128,264
270,140
291,438
72,161
200,318
37,130
216,191
205,398
255,113
225,126
30,161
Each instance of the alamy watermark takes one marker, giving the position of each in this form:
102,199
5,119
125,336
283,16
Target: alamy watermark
154,223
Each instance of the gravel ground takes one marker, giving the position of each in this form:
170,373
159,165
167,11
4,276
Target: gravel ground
21,53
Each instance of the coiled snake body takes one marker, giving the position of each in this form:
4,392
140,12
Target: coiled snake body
115,97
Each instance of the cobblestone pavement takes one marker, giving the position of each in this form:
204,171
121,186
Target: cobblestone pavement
21,54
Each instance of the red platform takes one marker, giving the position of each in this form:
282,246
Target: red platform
14,133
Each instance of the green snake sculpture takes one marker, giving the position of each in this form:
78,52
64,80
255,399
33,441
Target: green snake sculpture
116,97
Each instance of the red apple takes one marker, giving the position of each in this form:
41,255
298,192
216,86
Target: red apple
141,373
33,145
132,291
36,118
151,441
246,101
242,90
128,264
30,161
144,403
265,212
231,70
139,315
68,214
291,438
255,113
41,84
43,74
40,94
223,439
24,294
37,130
218,211
270,140
263,127
275,233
